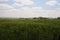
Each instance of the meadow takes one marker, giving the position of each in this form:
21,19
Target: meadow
29,29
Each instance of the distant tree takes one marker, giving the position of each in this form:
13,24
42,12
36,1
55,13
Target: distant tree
58,18
42,18
34,18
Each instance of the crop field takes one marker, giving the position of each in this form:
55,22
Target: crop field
29,29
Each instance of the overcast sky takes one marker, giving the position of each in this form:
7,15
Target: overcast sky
29,8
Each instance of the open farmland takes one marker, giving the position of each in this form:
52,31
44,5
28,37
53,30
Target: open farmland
29,29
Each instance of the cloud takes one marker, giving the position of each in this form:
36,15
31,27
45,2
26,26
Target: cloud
4,0
25,2
54,13
17,5
29,12
24,12
52,3
7,11
51,0
5,7
58,3
21,3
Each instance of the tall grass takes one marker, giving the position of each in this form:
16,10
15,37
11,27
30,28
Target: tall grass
29,29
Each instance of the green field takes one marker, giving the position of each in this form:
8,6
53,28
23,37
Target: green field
29,29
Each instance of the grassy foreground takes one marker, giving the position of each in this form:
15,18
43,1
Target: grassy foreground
29,29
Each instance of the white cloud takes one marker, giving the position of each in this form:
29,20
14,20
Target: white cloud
32,8
54,13
52,3
51,0
5,10
9,11
4,0
5,7
25,2
21,3
58,3
17,5
24,12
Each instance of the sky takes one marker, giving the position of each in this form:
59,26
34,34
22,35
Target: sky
29,8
